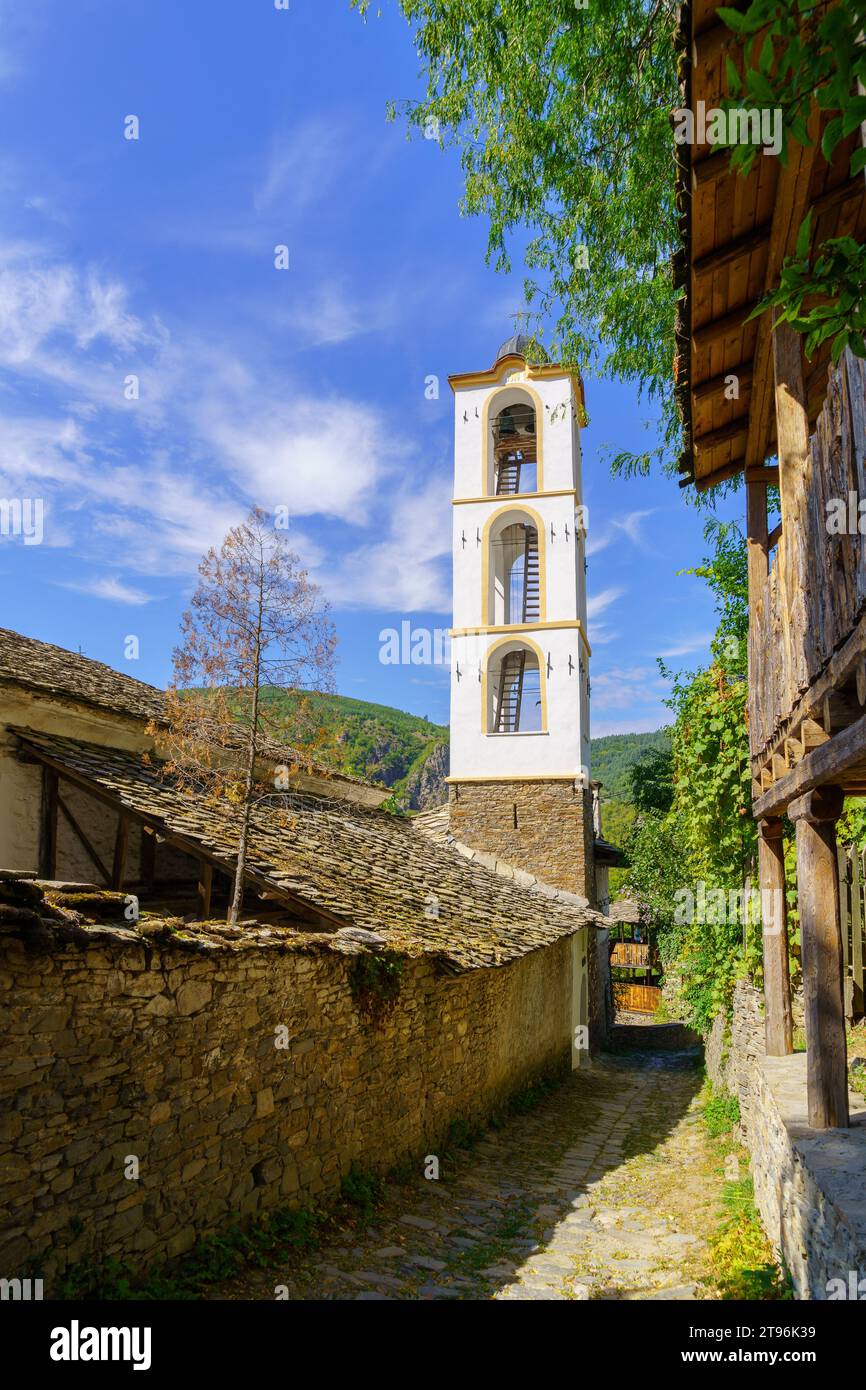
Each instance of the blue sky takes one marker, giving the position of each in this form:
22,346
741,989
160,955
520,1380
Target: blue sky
303,388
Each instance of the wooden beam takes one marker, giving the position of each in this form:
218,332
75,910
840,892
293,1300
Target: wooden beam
724,326
710,169
48,825
792,196
738,249
205,886
121,840
83,840
756,542
714,388
778,1016
826,763
147,856
725,434
815,815
718,475
774,537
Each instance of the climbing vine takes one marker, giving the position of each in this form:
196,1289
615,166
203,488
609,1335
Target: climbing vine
374,981
692,862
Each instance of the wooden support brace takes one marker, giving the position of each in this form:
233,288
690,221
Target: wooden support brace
83,840
205,886
48,825
121,840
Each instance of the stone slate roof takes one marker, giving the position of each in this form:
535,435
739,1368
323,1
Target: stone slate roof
43,667
51,670
360,866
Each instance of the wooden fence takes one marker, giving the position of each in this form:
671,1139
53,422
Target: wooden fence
852,905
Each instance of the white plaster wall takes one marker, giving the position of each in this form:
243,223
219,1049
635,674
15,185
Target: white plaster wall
21,786
560,435
560,751
563,558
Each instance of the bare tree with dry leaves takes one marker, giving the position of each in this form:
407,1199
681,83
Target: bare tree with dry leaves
256,625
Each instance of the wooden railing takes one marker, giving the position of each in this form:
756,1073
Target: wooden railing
631,953
852,903
816,590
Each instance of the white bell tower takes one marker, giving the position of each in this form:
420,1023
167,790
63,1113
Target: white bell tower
519,783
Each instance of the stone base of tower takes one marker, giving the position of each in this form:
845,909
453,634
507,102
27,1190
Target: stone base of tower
542,826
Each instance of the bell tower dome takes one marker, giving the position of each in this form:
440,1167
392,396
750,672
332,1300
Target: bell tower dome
519,785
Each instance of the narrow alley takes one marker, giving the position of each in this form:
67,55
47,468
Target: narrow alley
604,1190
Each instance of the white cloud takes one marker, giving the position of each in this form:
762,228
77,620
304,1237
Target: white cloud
624,687
302,164
699,643
407,571
597,603
631,523
111,588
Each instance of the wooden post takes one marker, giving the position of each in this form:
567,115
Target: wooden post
778,1021
120,842
148,857
815,815
205,884
48,825
795,465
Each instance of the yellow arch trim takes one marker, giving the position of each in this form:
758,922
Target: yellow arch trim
486,460
516,507
542,675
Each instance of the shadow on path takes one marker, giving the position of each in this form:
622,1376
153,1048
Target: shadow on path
596,1193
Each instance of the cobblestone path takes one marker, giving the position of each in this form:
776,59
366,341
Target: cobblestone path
601,1191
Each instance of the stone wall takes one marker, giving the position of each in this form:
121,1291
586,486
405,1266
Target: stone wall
116,1046
809,1184
544,827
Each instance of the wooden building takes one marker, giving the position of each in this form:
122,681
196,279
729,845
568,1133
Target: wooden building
753,403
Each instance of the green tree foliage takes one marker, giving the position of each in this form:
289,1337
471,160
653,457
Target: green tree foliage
652,784
696,828
561,115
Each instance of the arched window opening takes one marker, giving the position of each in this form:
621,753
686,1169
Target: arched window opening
516,693
515,454
516,577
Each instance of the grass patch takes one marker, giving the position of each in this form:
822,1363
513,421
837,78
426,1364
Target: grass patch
262,1245
741,1258
721,1113
742,1262
363,1190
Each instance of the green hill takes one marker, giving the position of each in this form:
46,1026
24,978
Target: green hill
405,752
615,754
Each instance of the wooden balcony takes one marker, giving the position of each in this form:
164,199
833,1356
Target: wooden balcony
631,953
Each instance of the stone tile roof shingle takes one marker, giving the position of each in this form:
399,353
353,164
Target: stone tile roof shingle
41,666
361,866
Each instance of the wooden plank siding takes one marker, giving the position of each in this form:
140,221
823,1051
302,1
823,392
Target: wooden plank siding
636,999
825,578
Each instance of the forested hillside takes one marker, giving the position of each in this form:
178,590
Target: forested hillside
405,752
613,757
615,754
